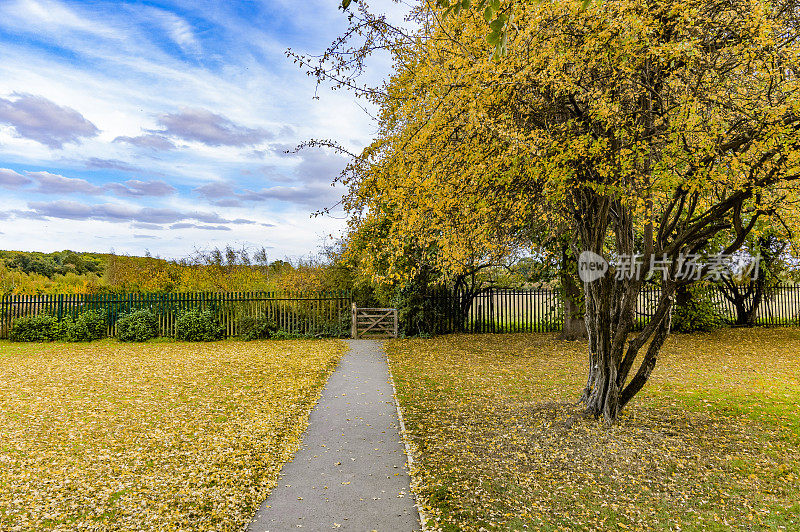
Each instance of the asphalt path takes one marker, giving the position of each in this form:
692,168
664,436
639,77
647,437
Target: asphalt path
351,471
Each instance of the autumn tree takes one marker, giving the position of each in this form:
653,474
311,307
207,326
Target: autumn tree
649,127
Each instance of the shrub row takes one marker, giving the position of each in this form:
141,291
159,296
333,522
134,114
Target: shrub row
90,325
136,326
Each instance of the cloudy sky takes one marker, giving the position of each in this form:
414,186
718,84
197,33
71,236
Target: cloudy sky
163,125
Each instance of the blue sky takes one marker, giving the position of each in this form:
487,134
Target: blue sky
163,126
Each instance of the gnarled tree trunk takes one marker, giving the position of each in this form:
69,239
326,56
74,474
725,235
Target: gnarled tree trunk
609,320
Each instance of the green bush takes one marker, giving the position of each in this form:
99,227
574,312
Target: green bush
286,335
695,311
96,323
198,326
418,313
88,326
70,331
257,328
42,328
137,326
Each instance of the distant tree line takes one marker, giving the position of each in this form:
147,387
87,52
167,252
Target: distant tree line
51,264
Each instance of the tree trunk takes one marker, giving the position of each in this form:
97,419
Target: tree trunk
683,296
758,298
746,302
574,327
463,302
610,306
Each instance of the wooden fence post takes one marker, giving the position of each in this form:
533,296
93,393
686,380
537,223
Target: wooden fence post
354,331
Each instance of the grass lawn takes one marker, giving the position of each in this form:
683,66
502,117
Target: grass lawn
156,436
712,443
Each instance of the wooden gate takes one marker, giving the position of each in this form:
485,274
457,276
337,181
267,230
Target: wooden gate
374,322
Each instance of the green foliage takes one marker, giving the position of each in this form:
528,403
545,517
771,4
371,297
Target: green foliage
71,330
96,323
696,311
417,313
42,328
286,335
137,326
198,326
340,329
52,264
88,326
257,327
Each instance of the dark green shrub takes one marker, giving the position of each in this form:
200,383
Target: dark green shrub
70,331
334,329
137,326
96,323
419,310
257,328
88,326
695,310
286,335
42,328
198,326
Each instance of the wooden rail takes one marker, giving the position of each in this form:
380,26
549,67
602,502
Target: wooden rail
374,322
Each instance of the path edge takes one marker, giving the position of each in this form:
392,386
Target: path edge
409,448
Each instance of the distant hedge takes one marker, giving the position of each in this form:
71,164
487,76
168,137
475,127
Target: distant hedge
89,325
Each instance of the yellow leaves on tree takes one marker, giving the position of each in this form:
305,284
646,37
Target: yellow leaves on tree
652,127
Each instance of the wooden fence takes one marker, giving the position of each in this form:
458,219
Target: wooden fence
314,313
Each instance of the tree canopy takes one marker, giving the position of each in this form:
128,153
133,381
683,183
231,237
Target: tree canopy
637,128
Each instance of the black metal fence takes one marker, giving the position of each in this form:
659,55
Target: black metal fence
305,313
495,310
500,310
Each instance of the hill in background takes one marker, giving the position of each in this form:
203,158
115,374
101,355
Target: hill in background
228,270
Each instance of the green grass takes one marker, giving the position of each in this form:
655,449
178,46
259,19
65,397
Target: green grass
154,436
710,444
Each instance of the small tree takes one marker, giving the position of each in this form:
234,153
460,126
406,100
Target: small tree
758,278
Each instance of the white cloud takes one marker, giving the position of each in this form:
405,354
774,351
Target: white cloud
211,129
12,179
51,17
37,118
58,184
181,32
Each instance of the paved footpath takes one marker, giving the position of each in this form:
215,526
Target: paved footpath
351,472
